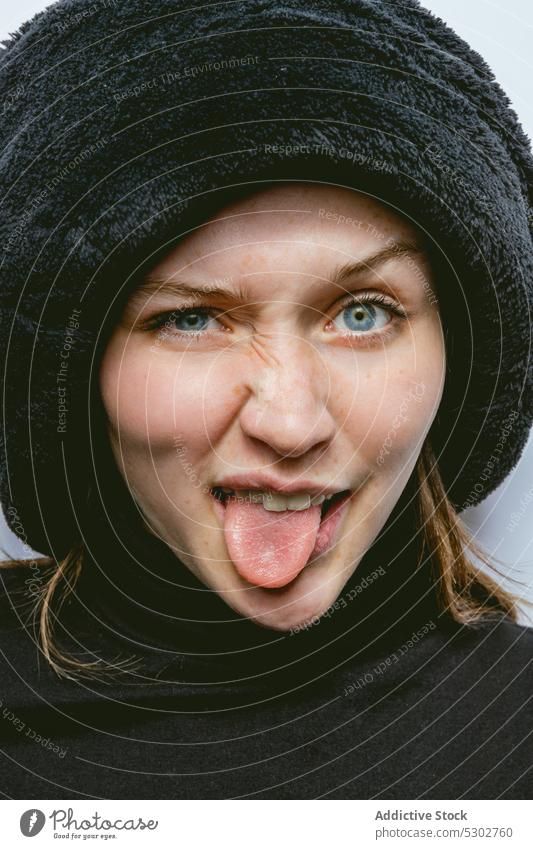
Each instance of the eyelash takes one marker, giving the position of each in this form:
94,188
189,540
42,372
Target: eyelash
158,321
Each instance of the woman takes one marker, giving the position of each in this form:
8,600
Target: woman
265,299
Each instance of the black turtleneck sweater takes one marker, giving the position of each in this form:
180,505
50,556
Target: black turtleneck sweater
382,698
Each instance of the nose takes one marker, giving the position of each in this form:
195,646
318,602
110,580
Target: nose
287,408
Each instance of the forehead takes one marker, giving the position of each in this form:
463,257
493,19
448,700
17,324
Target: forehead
289,225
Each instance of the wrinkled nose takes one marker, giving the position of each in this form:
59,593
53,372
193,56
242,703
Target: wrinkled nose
288,405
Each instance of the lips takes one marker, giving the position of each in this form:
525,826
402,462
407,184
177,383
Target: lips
222,495
266,482
330,522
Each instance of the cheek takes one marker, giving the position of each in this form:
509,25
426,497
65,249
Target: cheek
393,403
160,397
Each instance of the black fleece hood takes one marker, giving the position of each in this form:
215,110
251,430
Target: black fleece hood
125,124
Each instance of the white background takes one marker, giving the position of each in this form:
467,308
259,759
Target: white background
503,34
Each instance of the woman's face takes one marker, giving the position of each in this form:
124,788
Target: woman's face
292,343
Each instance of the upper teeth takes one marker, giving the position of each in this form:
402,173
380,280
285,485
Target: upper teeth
277,502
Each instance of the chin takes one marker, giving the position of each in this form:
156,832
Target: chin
277,620
293,606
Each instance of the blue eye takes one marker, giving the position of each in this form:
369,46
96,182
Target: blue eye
193,319
361,316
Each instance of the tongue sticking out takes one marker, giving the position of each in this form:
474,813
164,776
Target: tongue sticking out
269,549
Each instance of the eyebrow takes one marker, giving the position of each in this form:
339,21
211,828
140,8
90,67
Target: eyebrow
159,284
393,250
